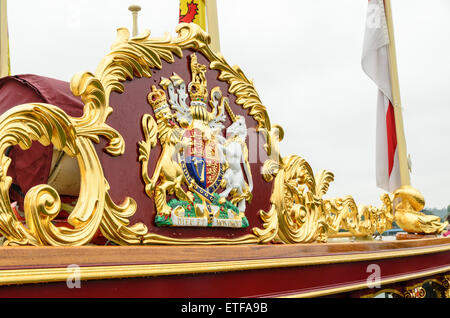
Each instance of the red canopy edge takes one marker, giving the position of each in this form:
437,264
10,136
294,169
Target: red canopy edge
34,167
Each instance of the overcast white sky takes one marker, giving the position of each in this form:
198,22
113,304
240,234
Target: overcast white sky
304,57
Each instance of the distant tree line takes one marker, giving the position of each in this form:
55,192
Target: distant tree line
443,213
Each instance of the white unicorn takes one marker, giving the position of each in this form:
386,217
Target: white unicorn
234,151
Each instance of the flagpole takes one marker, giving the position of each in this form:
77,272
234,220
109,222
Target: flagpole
213,24
4,45
401,140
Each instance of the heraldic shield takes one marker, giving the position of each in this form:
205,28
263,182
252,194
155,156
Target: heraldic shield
201,158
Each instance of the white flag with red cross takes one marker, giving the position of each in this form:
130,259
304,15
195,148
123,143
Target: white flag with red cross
375,63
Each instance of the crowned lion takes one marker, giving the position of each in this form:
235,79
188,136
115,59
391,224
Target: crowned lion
167,170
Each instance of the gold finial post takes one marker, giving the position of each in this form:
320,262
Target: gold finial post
134,10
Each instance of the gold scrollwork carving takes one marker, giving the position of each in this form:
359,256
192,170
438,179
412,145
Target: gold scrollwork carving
445,283
417,292
129,58
299,214
364,220
48,124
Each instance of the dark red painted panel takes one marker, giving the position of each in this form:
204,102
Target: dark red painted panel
123,172
254,283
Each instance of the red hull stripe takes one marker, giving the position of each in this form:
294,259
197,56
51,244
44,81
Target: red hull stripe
391,136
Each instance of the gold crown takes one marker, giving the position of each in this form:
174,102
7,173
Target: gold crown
157,99
198,90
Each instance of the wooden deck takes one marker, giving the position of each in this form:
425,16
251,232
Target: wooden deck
299,270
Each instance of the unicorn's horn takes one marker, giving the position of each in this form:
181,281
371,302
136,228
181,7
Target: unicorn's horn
230,112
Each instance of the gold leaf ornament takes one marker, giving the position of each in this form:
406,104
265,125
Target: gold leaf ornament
46,123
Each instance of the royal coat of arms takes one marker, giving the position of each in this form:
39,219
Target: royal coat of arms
202,177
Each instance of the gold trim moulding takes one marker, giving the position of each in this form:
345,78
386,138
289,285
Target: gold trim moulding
59,274
363,285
